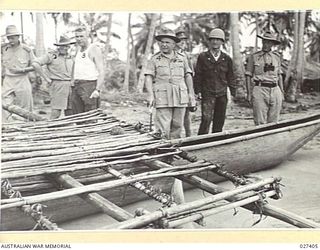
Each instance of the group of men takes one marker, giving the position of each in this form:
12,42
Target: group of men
173,84
74,82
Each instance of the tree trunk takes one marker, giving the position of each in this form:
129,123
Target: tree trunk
127,72
296,66
107,45
290,87
40,49
256,16
235,43
147,52
300,52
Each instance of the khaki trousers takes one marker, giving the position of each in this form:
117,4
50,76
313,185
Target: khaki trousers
267,103
170,121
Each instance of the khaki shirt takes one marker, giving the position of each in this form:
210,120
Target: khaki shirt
59,67
16,58
257,62
169,86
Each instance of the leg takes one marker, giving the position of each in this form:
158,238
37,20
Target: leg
7,100
85,92
219,114
260,105
275,105
177,123
162,121
76,102
187,123
206,115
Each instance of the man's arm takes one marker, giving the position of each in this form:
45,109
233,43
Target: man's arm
249,74
231,79
198,75
96,55
148,83
189,83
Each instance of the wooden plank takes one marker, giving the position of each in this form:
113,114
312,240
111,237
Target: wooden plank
95,199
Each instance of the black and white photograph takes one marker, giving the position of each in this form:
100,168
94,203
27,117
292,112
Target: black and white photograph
160,121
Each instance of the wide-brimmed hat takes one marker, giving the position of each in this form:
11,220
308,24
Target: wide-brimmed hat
64,41
269,36
181,33
12,30
167,34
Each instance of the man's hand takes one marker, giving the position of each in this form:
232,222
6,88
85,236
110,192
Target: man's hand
95,94
198,96
150,101
192,101
249,99
233,92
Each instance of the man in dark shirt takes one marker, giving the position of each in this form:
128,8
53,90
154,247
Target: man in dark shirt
213,74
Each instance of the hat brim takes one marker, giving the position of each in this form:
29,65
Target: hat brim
63,44
159,37
270,39
14,34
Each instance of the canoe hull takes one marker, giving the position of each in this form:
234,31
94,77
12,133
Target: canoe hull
242,153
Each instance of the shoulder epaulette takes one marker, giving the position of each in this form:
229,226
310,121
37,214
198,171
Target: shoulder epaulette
53,54
26,48
156,55
276,53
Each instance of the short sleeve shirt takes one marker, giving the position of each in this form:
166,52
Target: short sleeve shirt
59,67
256,64
16,58
168,75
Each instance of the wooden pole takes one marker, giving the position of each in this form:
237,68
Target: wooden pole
268,210
22,112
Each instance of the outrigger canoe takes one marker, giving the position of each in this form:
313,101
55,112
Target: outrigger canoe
40,159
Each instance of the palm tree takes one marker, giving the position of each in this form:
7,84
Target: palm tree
147,52
235,43
40,48
127,70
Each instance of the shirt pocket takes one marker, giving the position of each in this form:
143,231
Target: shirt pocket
163,70
258,68
184,97
161,96
178,70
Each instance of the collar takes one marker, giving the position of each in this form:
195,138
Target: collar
217,56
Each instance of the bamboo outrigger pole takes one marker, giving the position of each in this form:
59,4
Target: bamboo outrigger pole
268,210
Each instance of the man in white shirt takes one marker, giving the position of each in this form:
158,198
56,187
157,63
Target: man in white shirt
88,74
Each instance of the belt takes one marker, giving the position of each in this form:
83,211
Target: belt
84,81
265,84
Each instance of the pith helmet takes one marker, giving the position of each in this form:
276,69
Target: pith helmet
269,36
64,41
217,33
181,33
167,34
12,30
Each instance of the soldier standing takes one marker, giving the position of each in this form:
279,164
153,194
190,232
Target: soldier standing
213,74
16,62
264,72
170,86
182,48
59,65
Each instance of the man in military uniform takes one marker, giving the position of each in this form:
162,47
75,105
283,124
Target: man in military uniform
170,87
59,65
182,48
16,62
213,74
263,70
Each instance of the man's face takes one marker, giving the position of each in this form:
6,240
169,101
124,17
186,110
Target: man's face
215,43
267,45
81,38
13,40
183,44
167,45
63,50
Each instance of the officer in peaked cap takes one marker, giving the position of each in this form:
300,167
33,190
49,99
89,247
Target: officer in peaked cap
59,64
16,61
263,71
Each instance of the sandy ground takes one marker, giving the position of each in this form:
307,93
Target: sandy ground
300,175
